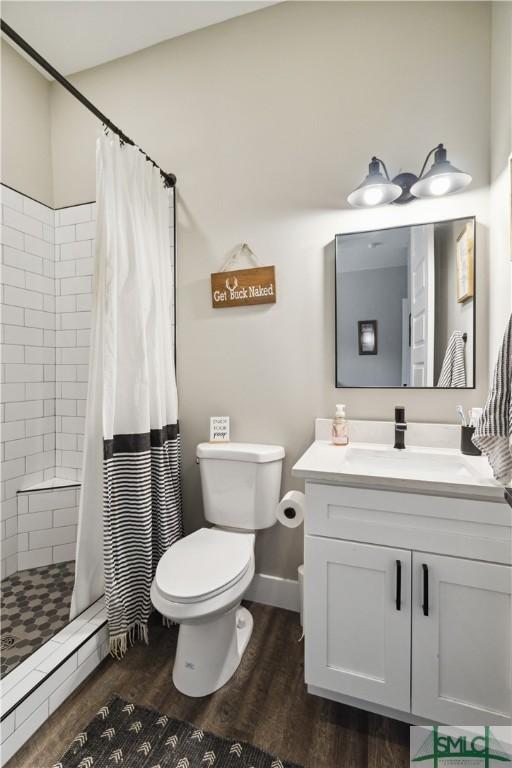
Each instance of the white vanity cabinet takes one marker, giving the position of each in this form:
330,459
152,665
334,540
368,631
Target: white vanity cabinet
407,603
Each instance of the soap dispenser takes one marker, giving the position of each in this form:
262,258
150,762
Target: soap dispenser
339,426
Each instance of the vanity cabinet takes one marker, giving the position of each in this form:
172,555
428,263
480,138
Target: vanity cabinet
397,624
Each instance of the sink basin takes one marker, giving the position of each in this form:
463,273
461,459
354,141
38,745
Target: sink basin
415,463
430,470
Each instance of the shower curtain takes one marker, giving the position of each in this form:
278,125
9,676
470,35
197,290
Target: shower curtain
131,485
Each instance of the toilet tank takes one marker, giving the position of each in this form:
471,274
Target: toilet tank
240,483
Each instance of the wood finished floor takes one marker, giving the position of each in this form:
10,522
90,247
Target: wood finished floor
265,703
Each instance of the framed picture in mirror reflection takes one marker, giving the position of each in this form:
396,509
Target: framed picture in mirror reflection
465,264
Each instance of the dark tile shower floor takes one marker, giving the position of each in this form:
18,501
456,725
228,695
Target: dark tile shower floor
34,606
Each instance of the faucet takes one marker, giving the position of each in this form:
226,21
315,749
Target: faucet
400,427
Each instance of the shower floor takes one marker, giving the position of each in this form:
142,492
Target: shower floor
34,606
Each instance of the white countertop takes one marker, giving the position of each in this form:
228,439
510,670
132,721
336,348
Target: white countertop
433,471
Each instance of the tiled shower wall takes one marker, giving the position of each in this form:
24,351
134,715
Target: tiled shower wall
46,283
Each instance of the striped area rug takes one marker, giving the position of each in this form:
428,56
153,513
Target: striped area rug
125,735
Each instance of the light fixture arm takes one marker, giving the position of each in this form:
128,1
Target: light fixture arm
374,166
442,151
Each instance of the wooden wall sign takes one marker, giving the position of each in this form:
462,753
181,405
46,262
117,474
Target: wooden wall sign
243,286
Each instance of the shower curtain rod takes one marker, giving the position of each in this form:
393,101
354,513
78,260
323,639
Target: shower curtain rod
169,178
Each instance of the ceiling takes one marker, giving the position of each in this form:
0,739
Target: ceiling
373,250
81,34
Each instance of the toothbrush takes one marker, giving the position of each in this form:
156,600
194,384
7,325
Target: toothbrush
460,411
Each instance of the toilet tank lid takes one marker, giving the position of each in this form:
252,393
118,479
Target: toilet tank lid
255,452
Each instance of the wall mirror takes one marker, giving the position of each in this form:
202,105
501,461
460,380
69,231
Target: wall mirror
405,306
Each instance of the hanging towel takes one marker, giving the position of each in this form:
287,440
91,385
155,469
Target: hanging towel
453,372
494,429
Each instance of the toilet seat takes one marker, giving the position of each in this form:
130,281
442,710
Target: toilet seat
204,564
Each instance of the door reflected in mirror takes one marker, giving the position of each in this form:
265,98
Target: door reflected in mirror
405,306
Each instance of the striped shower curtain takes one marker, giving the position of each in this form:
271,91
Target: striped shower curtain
132,454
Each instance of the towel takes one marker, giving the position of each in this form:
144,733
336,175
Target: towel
453,372
494,429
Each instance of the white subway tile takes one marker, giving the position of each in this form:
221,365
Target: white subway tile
65,372
34,558
12,316
76,320
49,373
77,250
65,442
13,276
8,509
49,407
14,742
65,269
37,211
39,355
85,267
13,393
17,334
19,297
39,247
11,527
73,425
25,410
22,503
65,517
40,461
43,692
14,467
15,449
22,223
42,426
22,541
72,459
81,407
49,442
49,233
51,500
74,285
74,214
12,430
64,234
21,372
66,303
10,547
48,268
84,302
75,355
35,521
63,553
49,303
83,338
65,408
6,727
13,353
38,319
12,237
71,390
52,537
22,260
66,338
40,391
11,198
12,690
82,372
49,338
86,231
40,283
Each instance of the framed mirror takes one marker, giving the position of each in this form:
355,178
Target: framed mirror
405,306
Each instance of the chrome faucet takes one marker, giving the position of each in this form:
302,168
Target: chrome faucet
400,427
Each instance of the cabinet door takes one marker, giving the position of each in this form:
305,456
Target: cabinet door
461,640
357,611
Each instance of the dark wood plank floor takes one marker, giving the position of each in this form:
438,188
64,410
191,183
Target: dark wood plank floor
265,703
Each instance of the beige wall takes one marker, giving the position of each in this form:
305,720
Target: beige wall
268,121
25,148
499,198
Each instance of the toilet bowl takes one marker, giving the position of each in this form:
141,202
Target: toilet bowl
199,584
200,581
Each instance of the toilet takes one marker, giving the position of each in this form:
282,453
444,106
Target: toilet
201,580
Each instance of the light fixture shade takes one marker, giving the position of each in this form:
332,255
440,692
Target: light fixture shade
375,189
442,179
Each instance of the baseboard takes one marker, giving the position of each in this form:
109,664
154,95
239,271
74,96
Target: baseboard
273,590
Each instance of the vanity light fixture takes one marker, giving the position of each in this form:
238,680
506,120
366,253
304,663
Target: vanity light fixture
378,189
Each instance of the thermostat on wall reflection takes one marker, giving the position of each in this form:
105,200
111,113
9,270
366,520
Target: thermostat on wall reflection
219,429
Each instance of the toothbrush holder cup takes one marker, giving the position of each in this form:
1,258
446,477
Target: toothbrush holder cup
466,446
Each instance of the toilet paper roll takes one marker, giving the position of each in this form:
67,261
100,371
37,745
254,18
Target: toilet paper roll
290,510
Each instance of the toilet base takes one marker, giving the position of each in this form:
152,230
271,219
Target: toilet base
209,652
